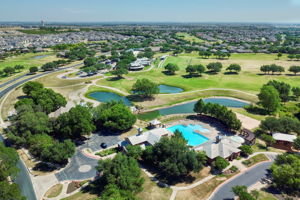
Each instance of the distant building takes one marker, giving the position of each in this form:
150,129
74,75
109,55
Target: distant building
139,64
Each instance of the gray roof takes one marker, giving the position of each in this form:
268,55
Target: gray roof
152,136
284,137
224,148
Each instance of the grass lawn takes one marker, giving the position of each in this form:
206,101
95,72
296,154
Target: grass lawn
203,191
54,191
27,60
82,196
248,80
189,38
266,196
255,159
152,192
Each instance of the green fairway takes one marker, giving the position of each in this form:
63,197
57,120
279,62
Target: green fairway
188,37
27,60
248,80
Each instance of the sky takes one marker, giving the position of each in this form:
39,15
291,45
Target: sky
272,11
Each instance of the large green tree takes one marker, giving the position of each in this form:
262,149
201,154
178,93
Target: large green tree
145,87
286,173
173,156
122,171
269,98
75,123
171,68
114,115
282,88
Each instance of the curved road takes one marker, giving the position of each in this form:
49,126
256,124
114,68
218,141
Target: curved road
13,86
248,178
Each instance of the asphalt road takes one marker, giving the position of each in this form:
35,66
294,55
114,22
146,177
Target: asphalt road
72,172
13,86
248,178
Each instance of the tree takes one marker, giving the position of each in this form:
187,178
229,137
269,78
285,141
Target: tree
199,107
90,61
191,69
9,70
265,69
241,192
283,124
282,88
269,98
220,163
33,70
285,173
296,143
234,67
246,150
146,88
1,72
112,192
8,168
75,123
114,115
121,171
220,112
214,67
90,70
296,92
294,69
200,69
279,55
171,68
134,151
31,86
47,99
49,66
120,71
19,67
10,191
268,139
173,157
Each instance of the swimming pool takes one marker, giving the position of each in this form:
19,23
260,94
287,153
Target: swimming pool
189,133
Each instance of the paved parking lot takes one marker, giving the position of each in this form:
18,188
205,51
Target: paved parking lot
73,172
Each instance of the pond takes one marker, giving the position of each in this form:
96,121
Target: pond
166,89
188,107
109,96
39,57
23,180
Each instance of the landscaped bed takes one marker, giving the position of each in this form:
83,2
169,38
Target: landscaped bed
54,191
107,152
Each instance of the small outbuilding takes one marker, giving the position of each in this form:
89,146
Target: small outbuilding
248,136
284,141
154,123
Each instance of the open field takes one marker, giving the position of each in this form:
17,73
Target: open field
203,191
152,192
188,37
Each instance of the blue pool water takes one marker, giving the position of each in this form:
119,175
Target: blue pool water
109,96
40,57
166,89
188,132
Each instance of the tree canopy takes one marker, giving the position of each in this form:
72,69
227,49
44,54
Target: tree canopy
173,157
75,123
220,112
286,173
269,98
171,68
145,87
214,67
114,115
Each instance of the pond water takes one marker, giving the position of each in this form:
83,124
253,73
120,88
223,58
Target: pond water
39,57
109,96
166,89
188,107
23,180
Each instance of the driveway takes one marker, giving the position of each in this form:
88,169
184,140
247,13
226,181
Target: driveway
82,167
248,178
